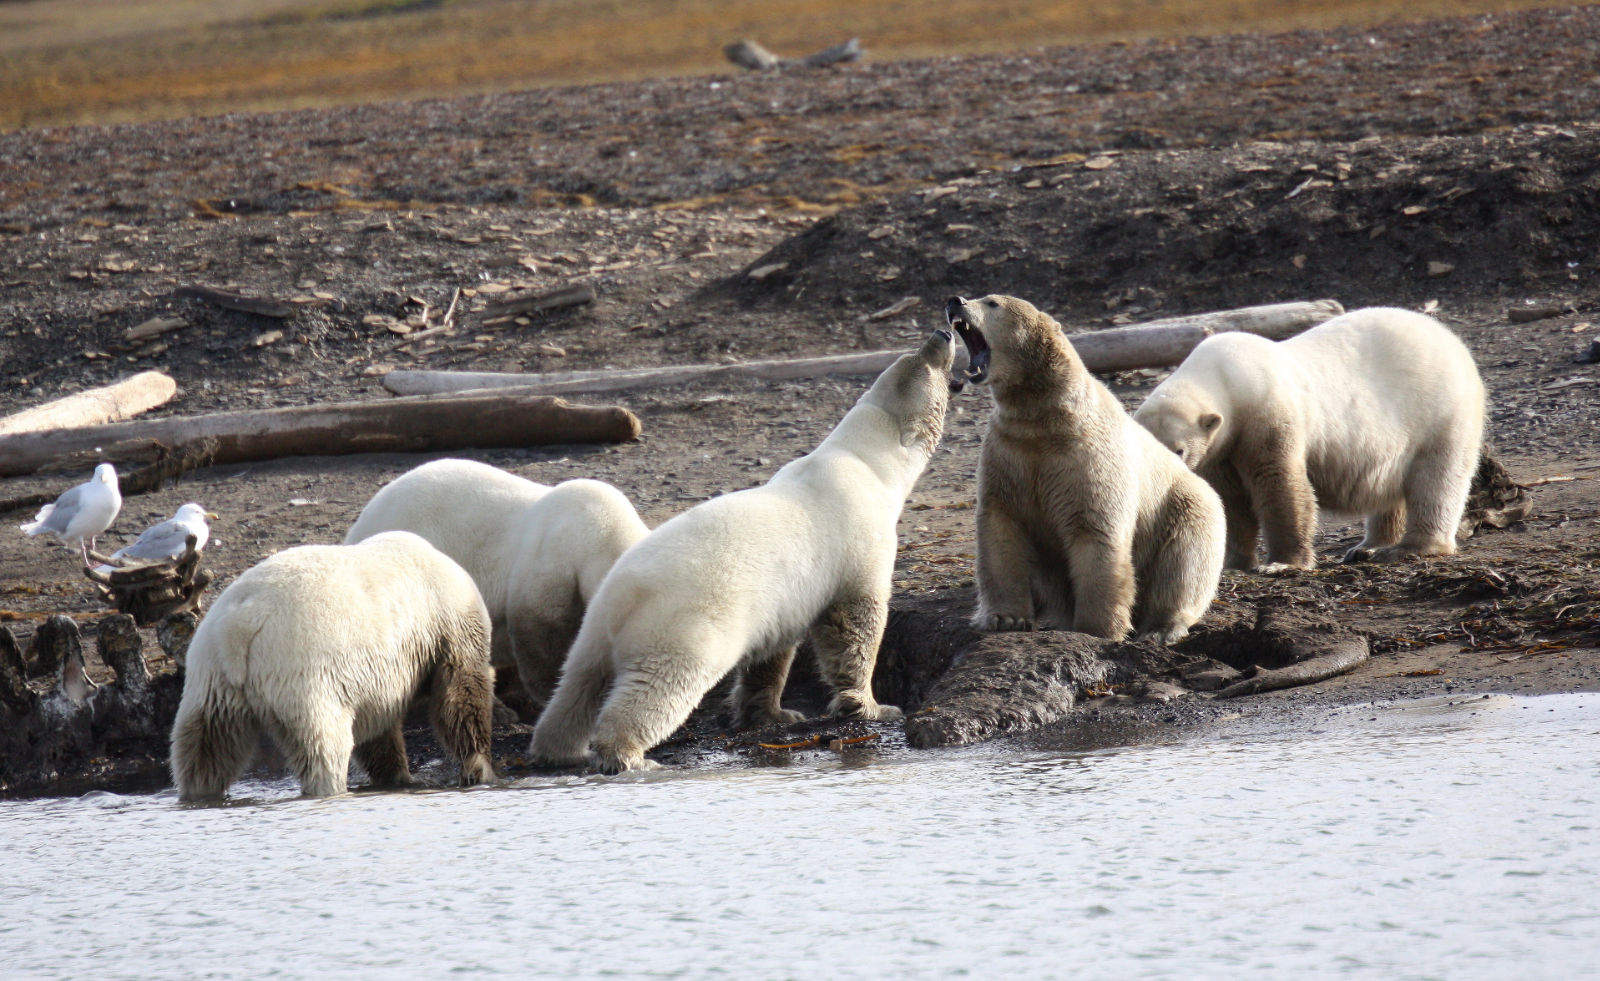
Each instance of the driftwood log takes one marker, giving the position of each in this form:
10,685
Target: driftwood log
394,426
749,54
229,300
1151,345
110,403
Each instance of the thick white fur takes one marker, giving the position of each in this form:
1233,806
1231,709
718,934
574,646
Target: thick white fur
325,647
1084,521
537,553
1377,412
740,580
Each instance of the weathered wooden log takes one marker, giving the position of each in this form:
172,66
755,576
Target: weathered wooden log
395,426
110,403
749,54
838,54
554,383
229,300
557,298
1152,345
1167,342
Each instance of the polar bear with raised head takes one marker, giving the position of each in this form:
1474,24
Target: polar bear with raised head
537,553
1376,412
1084,520
740,580
325,647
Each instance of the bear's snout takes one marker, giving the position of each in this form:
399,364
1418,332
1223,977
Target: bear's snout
952,308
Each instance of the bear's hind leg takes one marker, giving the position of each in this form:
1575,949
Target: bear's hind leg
561,737
462,712
318,746
210,748
1177,582
757,695
1436,489
846,639
384,758
653,697
1383,528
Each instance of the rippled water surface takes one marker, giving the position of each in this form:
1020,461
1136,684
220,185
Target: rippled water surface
1430,840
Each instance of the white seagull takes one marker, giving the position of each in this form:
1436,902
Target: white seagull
165,541
82,512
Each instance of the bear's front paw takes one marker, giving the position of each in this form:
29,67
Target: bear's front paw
993,623
883,713
1166,636
1281,568
619,761
756,718
1358,554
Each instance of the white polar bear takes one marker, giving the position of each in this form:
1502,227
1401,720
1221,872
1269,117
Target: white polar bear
537,553
1084,521
740,580
1377,412
325,647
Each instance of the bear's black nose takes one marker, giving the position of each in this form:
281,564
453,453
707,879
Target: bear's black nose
952,307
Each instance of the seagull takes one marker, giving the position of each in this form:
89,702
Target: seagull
82,512
166,541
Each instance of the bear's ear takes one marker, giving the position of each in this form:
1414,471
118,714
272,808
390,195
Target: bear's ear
1209,423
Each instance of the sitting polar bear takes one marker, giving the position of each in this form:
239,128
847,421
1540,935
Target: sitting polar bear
739,580
325,647
1377,412
1084,520
537,553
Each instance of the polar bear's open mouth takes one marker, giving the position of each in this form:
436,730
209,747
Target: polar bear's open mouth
977,347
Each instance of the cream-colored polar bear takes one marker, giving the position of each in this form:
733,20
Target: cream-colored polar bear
1084,520
537,553
325,647
1377,412
738,581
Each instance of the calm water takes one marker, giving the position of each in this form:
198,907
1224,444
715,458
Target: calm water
1422,841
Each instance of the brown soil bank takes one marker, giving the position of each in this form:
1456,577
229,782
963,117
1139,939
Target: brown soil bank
1451,166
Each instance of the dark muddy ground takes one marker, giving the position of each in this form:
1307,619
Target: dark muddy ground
1451,166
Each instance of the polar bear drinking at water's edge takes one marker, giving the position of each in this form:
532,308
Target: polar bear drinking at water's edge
1376,412
325,647
738,581
1084,520
537,553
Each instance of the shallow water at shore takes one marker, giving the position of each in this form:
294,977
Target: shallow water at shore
1439,839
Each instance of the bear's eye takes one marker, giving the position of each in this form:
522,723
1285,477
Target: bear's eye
993,303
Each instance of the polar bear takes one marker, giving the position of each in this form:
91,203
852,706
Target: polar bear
325,647
1377,412
1084,520
537,553
738,581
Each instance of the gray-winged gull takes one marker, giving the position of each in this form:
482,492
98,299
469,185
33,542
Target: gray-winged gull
165,541
82,512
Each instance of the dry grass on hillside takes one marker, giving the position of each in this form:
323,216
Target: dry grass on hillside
82,61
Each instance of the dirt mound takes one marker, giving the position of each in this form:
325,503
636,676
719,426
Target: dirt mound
1371,222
